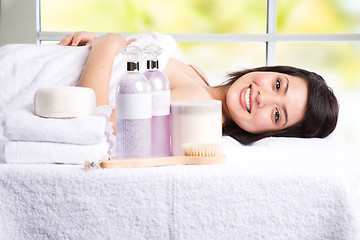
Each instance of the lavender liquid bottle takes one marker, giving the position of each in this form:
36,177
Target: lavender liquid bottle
133,111
160,90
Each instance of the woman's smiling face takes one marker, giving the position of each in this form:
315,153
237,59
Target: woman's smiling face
266,101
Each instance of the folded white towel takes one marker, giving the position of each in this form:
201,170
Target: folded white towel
48,152
23,125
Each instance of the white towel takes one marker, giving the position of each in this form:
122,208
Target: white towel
23,125
48,152
26,67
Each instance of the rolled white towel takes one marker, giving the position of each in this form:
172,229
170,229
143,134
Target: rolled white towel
23,125
48,152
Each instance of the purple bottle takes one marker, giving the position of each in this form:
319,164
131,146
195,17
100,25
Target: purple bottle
133,111
160,90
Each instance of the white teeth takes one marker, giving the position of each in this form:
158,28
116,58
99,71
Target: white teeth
247,98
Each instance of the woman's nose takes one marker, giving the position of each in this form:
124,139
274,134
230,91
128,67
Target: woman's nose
264,98
259,99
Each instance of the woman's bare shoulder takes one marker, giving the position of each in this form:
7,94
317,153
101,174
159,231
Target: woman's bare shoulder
180,74
190,92
185,83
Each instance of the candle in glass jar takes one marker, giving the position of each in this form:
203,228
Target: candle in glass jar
195,121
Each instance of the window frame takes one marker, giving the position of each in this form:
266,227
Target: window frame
33,33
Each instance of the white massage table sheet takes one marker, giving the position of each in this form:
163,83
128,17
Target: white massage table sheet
278,191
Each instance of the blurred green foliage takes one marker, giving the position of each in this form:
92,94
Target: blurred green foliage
176,16
318,16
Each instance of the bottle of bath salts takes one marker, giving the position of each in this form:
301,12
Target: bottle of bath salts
133,110
160,90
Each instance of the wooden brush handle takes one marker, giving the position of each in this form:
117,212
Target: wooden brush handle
162,161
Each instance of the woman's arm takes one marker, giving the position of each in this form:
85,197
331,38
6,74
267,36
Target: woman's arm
97,71
98,68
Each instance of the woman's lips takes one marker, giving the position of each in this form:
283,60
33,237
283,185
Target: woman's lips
242,98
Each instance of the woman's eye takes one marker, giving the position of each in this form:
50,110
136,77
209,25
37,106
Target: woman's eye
277,115
277,85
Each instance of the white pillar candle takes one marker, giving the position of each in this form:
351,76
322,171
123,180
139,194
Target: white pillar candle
195,121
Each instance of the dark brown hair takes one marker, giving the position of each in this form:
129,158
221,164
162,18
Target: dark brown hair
321,111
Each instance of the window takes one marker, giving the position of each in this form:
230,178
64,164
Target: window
320,16
213,22
176,16
322,36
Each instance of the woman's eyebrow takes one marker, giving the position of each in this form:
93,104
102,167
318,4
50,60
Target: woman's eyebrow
285,91
287,85
286,116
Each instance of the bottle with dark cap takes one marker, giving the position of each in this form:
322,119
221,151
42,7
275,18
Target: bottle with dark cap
133,110
160,90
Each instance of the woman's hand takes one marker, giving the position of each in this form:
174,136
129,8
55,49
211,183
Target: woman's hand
78,39
112,41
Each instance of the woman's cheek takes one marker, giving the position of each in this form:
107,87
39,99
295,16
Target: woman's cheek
262,123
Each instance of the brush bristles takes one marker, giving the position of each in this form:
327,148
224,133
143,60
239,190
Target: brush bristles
203,149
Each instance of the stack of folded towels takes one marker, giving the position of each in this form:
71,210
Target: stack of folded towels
35,139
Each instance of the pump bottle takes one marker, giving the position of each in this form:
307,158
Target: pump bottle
160,90
133,110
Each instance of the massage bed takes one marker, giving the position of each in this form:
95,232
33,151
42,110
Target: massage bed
277,188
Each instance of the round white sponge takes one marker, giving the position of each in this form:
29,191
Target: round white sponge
64,102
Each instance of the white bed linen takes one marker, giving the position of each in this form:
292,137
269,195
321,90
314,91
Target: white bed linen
262,192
